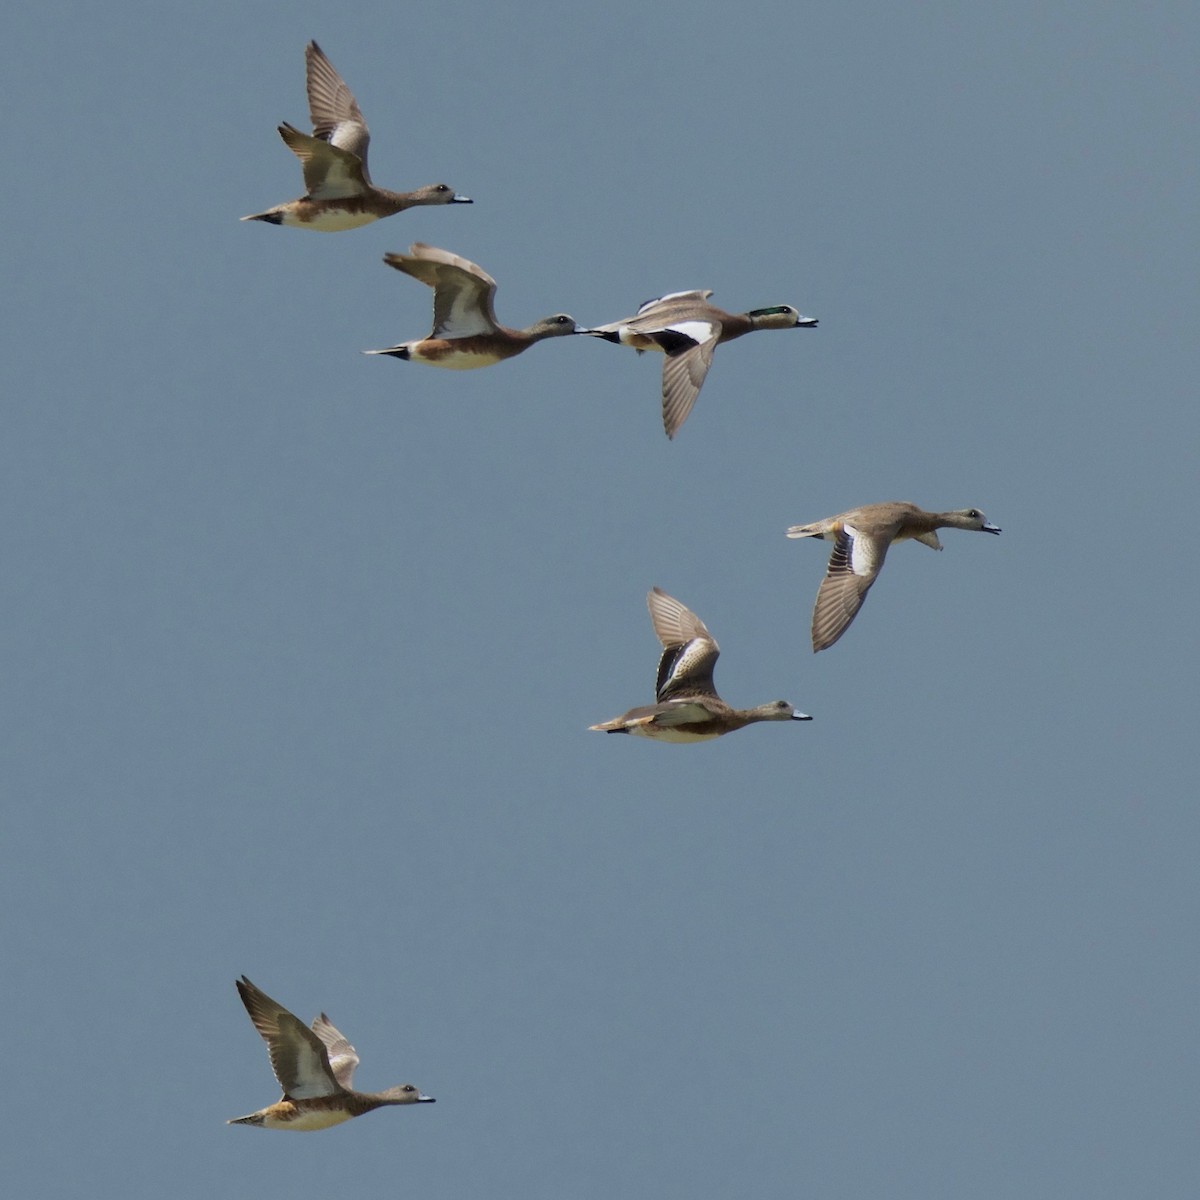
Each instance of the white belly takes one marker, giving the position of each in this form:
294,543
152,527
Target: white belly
332,220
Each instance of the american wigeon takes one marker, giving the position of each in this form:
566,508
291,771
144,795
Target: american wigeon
688,708
314,1067
687,329
465,331
334,159
861,538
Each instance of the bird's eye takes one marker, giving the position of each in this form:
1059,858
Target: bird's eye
442,187
408,1087
974,514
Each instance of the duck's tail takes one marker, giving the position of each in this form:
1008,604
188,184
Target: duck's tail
803,531
252,1119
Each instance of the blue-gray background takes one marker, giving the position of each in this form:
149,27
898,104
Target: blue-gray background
300,647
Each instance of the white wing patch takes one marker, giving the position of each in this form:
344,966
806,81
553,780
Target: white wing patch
862,552
311,1079
349,135
341,178
465,318
698,331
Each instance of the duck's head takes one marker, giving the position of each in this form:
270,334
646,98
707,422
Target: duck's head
406,1093
780,316
972,518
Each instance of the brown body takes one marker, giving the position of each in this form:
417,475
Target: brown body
350,212
318,1112
462,354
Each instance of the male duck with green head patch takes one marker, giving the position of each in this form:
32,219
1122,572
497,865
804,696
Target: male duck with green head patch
687,329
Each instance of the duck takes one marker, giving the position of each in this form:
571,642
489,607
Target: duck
340,193
465,333
861,538
686,328
688,708
314,1067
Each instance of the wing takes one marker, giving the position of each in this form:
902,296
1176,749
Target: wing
336,117
686,670
684,369
462,292
675,712
330,173
343,1058
674,622
689,650
679,712
649,307
853,567
298,1057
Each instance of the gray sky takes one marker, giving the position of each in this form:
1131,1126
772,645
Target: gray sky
301,647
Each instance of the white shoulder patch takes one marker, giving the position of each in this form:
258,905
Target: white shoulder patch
698,331
862,560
